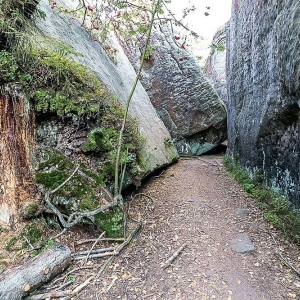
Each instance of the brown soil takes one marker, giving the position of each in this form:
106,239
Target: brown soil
196,203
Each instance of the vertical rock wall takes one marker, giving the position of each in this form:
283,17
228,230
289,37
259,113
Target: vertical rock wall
263,72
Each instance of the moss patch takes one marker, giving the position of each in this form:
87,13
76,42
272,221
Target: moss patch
79,193
111,222
34,232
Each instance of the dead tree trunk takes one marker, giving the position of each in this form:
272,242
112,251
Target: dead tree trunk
21,281
17,138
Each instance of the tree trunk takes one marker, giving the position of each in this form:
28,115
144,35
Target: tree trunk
21,281
17,138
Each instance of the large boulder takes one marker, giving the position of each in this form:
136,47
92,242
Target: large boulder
215,65
264,90
184,99
119,76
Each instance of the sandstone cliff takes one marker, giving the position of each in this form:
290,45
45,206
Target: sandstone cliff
263,72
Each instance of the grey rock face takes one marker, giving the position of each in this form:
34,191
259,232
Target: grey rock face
263,71
215,65
185,101
119,78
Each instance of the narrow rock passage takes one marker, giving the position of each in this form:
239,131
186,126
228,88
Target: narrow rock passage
198,205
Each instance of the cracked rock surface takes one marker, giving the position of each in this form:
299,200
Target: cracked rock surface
184,99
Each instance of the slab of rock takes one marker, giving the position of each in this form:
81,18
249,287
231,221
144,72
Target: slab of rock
215,65
119,78
242,212
242,244
184,99
263,72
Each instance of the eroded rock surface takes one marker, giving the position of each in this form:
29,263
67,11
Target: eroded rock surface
119,78
264,91
215,65
184,99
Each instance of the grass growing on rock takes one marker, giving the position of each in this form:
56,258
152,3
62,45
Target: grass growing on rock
278,210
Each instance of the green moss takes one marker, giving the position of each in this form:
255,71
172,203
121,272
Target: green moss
101,140
8,67
57,160
30,210
34,232
46,245
9,246
62,85
278,210
57,168
111,222
52,179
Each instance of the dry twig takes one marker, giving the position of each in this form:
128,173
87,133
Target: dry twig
100,236
96,251
174,255
102,239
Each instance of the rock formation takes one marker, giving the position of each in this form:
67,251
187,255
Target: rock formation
119,78
70,121
215,65
263,71
183,98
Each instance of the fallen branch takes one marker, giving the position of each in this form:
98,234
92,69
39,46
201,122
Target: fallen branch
103,239
58,294
50,295
28,242
174,255
76,217
104,266
99,255
100,236
119,248
82,286
19,282
94,251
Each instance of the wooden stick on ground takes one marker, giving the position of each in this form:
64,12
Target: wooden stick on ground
102,239
100,236
58,294
174,255
96,251
119,249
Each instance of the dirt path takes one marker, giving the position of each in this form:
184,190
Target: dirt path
196,205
